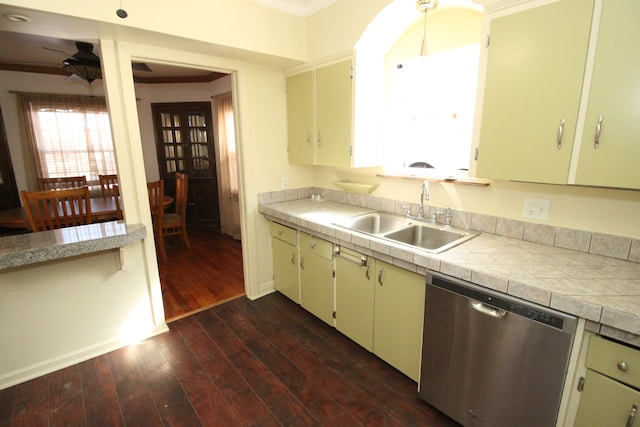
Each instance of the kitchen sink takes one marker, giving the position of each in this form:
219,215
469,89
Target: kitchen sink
435,239
426,236
375,223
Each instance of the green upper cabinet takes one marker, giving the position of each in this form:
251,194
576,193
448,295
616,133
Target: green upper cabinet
614,95
535,67
319,115
300,115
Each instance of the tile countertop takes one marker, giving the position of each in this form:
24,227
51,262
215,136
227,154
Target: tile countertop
604,291
33,248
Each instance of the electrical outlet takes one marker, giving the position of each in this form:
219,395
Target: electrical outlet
536,208
285,182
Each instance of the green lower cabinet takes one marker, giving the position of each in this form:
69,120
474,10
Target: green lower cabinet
316,277
398,317
285,269
606,402
381,307
354,297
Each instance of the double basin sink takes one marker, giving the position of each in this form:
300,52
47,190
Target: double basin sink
415,233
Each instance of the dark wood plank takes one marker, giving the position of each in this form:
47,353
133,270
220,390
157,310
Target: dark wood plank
136,403
247,407
66,406
202,393
6,405
215,268
100,396
265,383
31,403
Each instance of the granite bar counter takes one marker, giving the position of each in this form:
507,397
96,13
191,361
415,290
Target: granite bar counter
32,248
555,267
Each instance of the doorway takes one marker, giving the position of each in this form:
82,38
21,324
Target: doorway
180,132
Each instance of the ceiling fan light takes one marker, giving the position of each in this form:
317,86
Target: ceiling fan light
86,71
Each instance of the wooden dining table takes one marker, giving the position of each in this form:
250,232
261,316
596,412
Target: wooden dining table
102,209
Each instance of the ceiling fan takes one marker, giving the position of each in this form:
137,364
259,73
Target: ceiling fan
86,64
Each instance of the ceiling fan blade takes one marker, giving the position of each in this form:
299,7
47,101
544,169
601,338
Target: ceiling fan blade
140,66
66,55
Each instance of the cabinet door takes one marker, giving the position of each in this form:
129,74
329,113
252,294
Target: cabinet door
605,402
614,96
333,114
316,285
300,118
354,298
535,68
285,269
184,143
398,317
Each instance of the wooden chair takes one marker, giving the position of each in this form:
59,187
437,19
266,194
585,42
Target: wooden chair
107,182
156,199
48,210
62,183
175,223
115,193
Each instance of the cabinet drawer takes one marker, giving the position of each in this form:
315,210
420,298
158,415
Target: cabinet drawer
614,360
283,233
317,246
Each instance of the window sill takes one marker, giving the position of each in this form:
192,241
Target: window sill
459,180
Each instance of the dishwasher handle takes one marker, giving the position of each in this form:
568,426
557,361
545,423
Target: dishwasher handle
488,310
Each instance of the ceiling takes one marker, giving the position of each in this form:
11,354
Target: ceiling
40,54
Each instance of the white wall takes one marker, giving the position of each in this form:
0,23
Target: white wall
59,313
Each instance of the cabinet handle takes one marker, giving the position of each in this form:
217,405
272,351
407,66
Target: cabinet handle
632,415
308,137
623,366
319,140
302,262
596,139
380,276
293,258
366,272
560,131
313,245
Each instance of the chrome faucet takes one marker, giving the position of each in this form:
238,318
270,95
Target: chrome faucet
424,195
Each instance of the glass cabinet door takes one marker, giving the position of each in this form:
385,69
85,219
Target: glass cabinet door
184,143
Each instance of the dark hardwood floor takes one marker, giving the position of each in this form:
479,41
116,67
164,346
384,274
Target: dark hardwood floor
240,363
207,274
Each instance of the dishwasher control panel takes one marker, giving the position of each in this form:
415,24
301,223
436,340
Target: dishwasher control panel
503,302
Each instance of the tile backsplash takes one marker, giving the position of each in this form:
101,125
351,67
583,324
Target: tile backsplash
620,247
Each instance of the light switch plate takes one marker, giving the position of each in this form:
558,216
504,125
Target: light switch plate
536,208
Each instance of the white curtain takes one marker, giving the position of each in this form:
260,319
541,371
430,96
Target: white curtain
228,171
65,135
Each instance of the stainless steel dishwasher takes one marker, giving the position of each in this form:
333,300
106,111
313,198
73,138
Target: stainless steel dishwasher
489,359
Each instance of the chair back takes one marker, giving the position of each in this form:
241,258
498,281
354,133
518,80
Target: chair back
115,193
156,198
48,210
182,187
107,182
64,183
